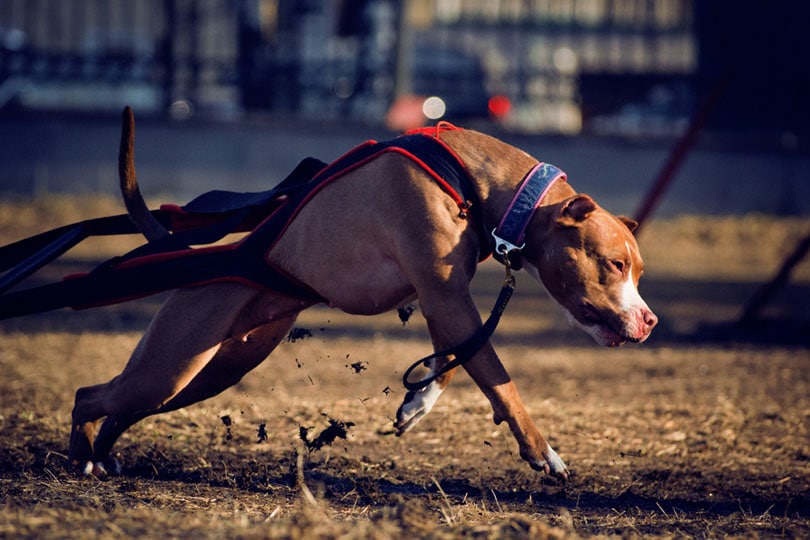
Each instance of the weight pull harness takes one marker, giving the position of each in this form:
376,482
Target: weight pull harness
172,262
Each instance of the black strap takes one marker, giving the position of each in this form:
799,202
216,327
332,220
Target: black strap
109,285
15,253
219,202
467,349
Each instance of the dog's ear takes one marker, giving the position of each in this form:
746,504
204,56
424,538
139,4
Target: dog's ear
575,210
631,223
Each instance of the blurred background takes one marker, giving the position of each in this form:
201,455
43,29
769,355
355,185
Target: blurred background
654,107
629,67
573,81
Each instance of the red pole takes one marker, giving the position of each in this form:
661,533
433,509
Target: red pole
681,149
765,293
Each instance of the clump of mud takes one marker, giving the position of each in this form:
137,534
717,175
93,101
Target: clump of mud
336,430
298,334
405,313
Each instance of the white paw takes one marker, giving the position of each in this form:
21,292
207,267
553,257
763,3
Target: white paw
102,469
554,464
415,406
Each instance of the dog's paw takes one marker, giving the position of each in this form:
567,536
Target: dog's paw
415,406
550,463
102,469
554,464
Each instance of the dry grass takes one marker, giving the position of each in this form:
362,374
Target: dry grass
687,435
728,248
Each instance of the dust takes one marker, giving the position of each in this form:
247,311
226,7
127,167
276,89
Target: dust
261,433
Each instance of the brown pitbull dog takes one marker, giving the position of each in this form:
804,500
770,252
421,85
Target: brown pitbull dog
378,238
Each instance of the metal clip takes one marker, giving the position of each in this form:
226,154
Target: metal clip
504,247
509,279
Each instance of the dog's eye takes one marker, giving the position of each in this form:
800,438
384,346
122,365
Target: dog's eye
617,265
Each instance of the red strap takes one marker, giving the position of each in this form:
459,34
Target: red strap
434,131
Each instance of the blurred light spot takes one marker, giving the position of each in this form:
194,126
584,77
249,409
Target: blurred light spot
565,60
383,85
14,39
789,140
181,110
499,106
434,107
344,87
569,119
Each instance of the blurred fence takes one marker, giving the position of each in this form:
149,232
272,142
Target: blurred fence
553,63
96,54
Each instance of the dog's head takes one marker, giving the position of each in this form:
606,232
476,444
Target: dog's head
589,262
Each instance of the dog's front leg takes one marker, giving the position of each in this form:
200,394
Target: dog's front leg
488,372
451,323
508,407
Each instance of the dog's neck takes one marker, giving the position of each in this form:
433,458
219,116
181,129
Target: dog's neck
497,169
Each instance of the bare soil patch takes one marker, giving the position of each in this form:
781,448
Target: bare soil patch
703,431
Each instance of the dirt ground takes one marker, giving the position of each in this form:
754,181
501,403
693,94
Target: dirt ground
702,431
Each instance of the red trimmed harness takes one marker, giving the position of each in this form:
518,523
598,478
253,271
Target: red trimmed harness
172,263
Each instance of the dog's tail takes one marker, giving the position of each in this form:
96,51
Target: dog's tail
136,206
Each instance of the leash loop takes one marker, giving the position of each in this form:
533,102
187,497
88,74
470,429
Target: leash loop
467,349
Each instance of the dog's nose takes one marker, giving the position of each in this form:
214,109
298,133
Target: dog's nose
650,319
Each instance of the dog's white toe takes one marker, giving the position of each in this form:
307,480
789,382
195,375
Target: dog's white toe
102,469
99,470
96,469
555,464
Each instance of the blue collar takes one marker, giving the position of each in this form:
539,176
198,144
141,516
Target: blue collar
509,234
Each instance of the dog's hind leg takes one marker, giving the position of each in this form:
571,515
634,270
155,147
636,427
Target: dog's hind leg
235,358
185,335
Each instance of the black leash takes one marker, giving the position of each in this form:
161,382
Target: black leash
508,237
467,349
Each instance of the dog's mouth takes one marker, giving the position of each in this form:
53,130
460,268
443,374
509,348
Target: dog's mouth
602,330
